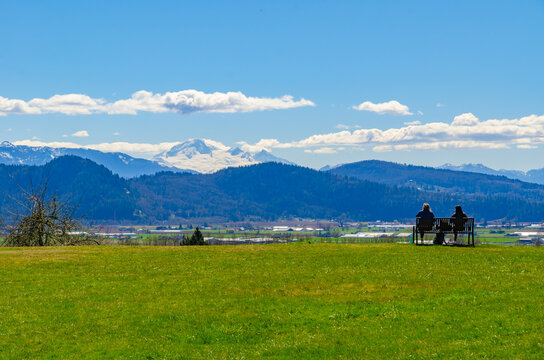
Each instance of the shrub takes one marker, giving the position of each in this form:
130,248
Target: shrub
196,239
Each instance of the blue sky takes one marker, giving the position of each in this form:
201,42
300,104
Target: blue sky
438,59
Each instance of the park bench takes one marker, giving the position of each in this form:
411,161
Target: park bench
461,226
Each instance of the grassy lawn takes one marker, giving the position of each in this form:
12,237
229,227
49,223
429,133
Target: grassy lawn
279,301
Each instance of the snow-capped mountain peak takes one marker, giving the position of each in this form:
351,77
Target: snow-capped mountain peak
205,155
191,148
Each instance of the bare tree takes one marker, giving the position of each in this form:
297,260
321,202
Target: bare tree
43,220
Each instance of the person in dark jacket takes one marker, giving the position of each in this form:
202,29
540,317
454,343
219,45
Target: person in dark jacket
425,213
457,216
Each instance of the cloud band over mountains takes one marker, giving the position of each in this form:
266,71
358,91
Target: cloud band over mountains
466,131
137,149
183,102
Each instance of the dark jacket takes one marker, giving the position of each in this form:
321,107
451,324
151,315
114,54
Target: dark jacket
460,215
425,214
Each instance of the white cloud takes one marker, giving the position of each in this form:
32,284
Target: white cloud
70,104
116,133
54,144
342,126
419,112
263,144
466,131
134,148
325,150
183,102
417,122
466,119
440,105
392,107
445,145
15,106
526,146
81,133
137,149
189,101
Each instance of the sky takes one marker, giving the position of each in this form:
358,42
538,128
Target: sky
315,82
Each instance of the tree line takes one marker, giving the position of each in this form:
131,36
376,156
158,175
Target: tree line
266,192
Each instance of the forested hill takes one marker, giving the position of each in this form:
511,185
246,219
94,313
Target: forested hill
265,191
95,190
440,180
273,190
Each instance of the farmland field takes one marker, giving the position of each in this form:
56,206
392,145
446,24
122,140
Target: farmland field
277,301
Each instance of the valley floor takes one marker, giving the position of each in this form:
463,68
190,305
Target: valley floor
278,301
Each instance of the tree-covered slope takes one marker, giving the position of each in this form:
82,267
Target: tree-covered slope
273,190
265,191
269,191
443,180
93,189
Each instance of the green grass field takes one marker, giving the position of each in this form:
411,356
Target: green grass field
308,301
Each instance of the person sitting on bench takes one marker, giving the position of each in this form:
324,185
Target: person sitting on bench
425,213
459,218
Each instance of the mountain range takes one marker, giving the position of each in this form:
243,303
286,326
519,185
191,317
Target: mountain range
121,164
437,180
200,156
271,191
192,156
534,176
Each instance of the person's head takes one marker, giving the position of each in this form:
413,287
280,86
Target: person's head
458,209
426,207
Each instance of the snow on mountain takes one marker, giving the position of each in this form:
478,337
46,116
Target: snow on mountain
119,163
195,155
206,156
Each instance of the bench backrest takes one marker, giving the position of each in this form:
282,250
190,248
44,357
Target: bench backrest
465,225
459,224
425,224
